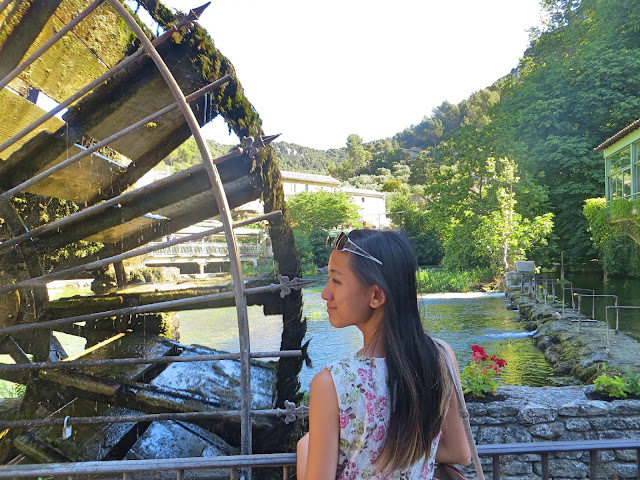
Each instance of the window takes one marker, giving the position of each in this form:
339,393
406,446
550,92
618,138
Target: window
619,174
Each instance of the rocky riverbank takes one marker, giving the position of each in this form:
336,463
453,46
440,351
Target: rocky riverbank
581,351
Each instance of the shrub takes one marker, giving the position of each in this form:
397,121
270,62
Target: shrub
610,386
632,382
438,281
480,377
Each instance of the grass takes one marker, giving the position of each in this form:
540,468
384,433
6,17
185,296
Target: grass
440,281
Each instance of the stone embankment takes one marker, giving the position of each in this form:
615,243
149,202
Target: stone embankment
581,351
529,414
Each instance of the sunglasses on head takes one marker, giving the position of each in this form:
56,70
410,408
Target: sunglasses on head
343,243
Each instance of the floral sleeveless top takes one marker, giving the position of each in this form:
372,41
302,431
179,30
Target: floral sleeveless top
364,404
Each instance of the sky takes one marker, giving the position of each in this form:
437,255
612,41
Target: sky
317,72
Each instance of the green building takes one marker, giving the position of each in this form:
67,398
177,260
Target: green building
622,163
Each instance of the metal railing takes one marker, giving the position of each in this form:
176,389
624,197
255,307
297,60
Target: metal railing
618,308
593,297
573,290
496,451
127,468
207,249
285,460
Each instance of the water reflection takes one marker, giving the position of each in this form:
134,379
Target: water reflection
462,320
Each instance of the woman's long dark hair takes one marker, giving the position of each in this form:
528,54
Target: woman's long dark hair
418,384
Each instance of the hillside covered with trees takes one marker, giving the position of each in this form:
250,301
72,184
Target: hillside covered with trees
505,173
289,156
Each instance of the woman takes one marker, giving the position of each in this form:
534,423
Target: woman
387,411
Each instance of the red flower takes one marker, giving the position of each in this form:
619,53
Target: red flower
479,354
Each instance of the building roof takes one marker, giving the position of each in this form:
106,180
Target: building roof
362,191
309,177
622,133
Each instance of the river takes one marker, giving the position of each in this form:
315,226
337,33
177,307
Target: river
460,319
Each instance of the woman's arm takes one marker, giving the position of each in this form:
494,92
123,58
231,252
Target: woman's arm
320,446
453,447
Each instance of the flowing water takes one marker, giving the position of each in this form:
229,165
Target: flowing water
460,319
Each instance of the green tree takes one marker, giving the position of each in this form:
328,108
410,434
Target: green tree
617,252
504,234
359,159
415,221
322,209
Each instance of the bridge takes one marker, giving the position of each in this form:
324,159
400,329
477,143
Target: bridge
206,257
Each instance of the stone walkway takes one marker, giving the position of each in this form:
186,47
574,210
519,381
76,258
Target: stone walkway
580,350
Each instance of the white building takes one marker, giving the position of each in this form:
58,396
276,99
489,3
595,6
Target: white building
372,206
296,182
371,203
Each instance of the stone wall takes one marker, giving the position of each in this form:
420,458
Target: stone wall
528,414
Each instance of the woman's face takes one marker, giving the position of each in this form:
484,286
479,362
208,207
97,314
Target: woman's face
349,301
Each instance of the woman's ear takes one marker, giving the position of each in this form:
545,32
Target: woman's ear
378,298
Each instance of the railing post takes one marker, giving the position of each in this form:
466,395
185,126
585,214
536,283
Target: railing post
617,317
545,466
638,463
545,289
285,472
496,467
593,305
593,459
606,321
579,313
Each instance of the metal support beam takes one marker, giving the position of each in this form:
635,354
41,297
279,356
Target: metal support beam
225,216
169,359
301,412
